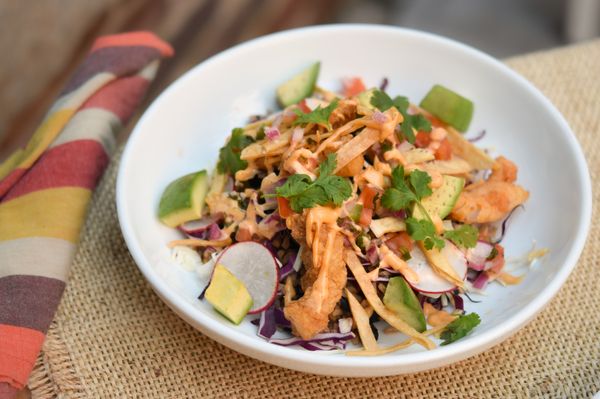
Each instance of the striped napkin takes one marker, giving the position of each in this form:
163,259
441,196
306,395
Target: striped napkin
45,189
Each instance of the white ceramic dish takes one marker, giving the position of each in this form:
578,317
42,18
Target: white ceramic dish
187,124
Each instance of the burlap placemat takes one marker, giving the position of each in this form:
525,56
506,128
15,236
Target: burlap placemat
113,337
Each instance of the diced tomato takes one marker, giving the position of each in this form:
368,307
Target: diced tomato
400,241
498,261
284,207
422,139
353,86
365,217
367,197
303,107
444,151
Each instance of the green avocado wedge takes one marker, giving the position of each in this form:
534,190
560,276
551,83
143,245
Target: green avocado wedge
228,295
364,98
401,299
183,199
442,200
449,106
299,87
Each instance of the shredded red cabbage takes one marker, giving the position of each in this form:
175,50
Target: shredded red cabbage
478,137
505,223
458,302
481,281
324,341
384,84
288,268
199,228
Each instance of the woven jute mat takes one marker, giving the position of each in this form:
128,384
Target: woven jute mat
113,337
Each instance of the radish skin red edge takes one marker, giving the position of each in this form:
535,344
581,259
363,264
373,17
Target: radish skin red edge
255,266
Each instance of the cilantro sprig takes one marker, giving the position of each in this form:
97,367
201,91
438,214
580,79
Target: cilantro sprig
418,122
460,328
407,191
229,155
325,190
319,116
464,236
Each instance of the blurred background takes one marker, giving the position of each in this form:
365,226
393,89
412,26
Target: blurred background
43,41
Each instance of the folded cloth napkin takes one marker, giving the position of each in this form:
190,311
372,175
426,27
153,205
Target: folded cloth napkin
45,189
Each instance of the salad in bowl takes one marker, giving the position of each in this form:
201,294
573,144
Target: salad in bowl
349,214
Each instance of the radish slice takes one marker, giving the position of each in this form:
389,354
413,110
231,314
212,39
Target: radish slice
429,281
198,228
477,256
254,265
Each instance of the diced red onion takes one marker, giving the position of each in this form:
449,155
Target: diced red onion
272,133
481,281
477,256
297,135
372,254
379,117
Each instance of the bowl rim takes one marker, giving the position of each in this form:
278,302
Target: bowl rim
439,356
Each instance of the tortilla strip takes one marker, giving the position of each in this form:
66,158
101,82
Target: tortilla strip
466,150
368,290
418,155
393,348
355,147
266,147
454,166
361,318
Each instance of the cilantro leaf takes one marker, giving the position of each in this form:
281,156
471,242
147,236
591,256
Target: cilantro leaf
420,180
294,185
401,103
423,230
229,155
464,236
399,196
326,189
460,328
327,167
420,123
396,200
319,116
381,101
410,123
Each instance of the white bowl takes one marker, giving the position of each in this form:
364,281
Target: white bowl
186,125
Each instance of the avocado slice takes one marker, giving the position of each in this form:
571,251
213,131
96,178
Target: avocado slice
449,106
364,98
401,299
442,200
228,295
183,199
299,87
